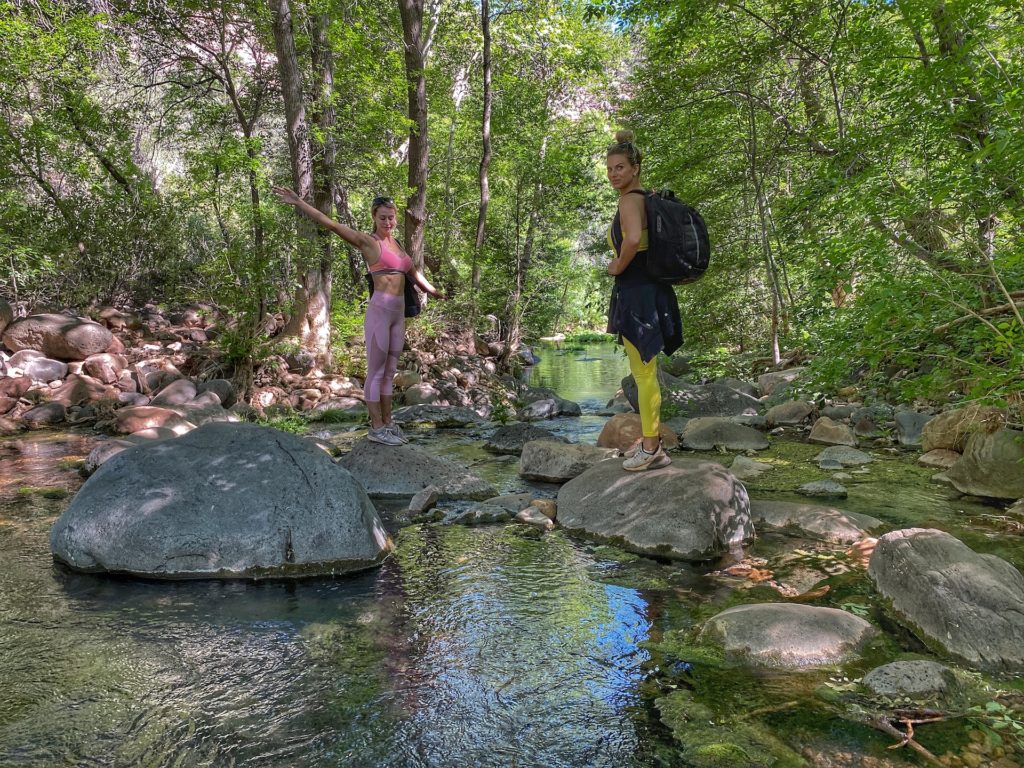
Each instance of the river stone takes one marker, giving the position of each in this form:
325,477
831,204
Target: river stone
910,427
543,403
80,390
6,314
624,429
969,605
38,366
839,412
788,635
951,429
225,501
402,471
743,387
425,500
920,679
790,413
105,367
940,458
15,386
510,439
177,392
533,516
553,462
439,415
45,415
136,417
827,523
843,455
823,489
690,510
421,394
828,432
223,388
59,336
698,399
774,380
745,468
510,502
708,433
992,465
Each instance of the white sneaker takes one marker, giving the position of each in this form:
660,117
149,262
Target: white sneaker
396,430
382,436
642,460
630,452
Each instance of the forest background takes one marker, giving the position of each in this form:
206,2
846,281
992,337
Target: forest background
859,164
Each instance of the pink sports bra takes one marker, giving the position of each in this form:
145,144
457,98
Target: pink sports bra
391,259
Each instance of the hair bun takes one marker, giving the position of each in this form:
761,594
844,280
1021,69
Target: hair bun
624,137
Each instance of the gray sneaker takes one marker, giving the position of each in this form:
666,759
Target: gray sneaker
396,430
382,436
630,452
642,460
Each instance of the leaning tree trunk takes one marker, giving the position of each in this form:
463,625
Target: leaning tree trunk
419,151
311,318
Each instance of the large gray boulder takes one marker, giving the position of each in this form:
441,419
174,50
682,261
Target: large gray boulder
690,510
696,399
224,501
968,605
708,433
788,635
992,465
817,521
59,336
402,471
551,461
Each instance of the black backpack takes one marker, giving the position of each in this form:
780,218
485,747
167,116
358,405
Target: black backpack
678,248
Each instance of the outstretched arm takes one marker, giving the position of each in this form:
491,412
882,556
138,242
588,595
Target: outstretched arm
421,282
354,237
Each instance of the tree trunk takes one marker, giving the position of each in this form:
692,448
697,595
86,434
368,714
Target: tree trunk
419,151
485,130
310,320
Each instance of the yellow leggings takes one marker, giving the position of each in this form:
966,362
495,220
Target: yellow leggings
648,389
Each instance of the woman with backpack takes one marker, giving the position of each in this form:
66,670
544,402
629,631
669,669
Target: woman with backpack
384,326
643,312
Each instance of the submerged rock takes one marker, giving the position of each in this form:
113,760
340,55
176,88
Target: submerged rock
967,604
843,456
690,510
788,635
826,489
827,523
224,501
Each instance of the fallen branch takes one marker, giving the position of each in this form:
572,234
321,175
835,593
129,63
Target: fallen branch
905,739
978,315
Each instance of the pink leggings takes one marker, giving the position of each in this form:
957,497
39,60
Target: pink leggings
385,337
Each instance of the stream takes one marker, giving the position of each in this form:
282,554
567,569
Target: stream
489,646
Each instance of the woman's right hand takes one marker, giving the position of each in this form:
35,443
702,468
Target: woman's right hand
286,195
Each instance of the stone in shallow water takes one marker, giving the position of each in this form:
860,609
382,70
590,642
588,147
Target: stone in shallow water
916,679
224,501
787,635
828,489
843,455
828,523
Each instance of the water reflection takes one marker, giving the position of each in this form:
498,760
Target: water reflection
589,376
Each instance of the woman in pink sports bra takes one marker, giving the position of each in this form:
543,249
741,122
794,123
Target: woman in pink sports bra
384,325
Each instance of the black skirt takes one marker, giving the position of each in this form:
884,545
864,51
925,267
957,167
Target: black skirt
647,314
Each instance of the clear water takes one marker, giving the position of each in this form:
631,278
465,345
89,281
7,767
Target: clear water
493,646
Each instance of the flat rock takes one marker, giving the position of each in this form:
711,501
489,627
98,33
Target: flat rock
509,440
828,523
843,456
441,416
824,489
690,510
224,501
789,414
788,635
554,462
968,605
745,468
401,471
708,433
939,458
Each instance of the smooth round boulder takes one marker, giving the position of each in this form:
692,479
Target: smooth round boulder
552,461
992,465
690,510
789,414
709,433
966,604
421,393
137,417
105,367
950,430
828,432
37,366
45,415
819,522
788,635
917,679
59,336
223,388
224,501
178,392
